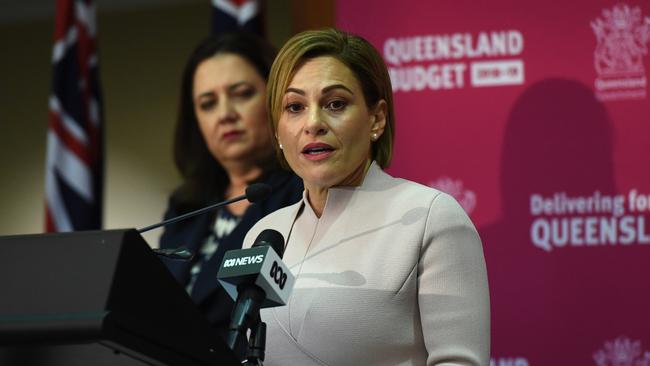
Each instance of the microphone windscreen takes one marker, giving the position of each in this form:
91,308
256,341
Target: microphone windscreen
271,238
257,192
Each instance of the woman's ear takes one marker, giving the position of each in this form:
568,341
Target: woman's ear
378,120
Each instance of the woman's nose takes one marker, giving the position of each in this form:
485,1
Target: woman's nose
226,112
315,124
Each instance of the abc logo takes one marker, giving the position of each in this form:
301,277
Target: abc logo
278,275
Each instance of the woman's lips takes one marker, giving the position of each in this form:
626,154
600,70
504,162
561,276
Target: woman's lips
231,135
317,151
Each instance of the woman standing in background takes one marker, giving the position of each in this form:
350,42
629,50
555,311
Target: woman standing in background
222,144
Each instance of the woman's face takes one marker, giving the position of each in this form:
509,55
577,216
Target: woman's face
229,103
325,127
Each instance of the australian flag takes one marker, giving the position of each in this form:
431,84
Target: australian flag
74,162
233,15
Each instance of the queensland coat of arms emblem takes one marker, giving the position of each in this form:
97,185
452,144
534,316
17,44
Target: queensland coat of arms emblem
622,33
622,352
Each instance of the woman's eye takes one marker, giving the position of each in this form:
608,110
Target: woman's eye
245,93
336,105
207,105
294,107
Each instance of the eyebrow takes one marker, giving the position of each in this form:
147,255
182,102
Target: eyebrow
325,89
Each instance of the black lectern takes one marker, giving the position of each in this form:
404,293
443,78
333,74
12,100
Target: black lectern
97,298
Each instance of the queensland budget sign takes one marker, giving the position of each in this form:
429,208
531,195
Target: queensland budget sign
536,117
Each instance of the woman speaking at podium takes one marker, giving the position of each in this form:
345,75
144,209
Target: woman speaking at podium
388,272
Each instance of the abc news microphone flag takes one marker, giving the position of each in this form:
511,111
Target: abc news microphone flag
74,161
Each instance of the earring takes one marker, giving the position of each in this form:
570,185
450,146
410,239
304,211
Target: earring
280,146
374,136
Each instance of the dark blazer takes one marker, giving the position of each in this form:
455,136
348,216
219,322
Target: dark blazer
210,297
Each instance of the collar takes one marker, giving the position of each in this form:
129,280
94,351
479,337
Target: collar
339,196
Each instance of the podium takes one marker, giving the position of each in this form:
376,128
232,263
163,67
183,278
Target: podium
97,298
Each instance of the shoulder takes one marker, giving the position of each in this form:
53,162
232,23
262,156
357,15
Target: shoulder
403,191
187,232
170,232
443,211
449,232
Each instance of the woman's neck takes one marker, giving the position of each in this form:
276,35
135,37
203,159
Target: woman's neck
317,196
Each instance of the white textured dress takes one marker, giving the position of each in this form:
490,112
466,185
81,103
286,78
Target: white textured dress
392,273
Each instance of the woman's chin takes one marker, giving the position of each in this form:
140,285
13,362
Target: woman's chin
320,178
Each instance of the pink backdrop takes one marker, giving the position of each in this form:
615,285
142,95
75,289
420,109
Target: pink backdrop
535,116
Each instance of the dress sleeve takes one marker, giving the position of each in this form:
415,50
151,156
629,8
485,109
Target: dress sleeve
453,295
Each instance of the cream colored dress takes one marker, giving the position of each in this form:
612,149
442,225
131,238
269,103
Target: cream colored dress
392,273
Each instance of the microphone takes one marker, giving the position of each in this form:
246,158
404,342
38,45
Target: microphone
255,278
254,193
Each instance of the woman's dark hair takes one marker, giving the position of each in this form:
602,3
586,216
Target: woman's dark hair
204,179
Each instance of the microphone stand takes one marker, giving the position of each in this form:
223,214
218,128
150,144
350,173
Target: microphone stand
254,193
193,213
256,344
